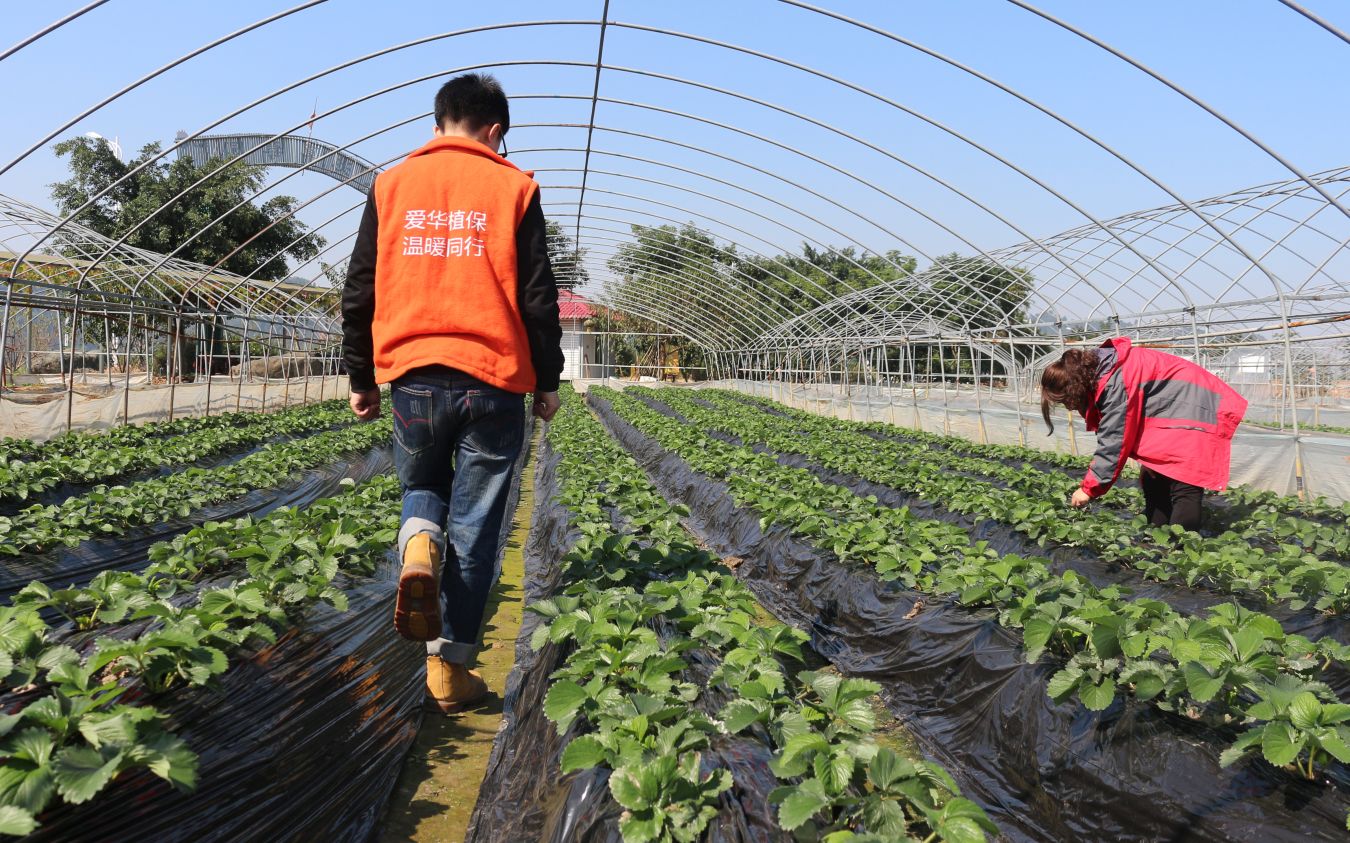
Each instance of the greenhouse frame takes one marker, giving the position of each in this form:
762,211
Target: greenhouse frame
805,555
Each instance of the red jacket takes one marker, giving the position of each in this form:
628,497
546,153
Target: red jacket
1167,413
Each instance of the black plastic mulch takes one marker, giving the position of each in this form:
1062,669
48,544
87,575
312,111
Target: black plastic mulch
960,683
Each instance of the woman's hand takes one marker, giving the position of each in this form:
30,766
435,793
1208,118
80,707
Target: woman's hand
1079,499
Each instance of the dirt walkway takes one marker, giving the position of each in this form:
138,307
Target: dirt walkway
439,784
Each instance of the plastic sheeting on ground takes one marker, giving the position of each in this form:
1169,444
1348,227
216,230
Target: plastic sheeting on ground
960,683
525,796
1004,539
21,417
302,741
66,566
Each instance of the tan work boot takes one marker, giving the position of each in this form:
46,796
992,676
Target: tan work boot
452,687
417,611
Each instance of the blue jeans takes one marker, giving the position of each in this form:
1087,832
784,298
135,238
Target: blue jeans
456,444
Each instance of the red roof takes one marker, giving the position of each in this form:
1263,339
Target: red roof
573,306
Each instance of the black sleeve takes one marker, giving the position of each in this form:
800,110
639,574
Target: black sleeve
537,296
358,302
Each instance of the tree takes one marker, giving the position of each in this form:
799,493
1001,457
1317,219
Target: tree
565,257
735,295
253,239
974,294
335,273
977,292
633,347
250,239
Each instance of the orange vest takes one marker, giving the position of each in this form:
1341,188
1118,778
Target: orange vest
445,270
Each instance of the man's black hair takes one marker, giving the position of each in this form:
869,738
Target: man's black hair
474,100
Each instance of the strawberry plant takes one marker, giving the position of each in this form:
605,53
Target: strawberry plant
73,726
1031,503
638,607
91,457
111,510
1301,730
1203,666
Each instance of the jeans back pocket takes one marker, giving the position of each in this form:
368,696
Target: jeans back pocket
413,428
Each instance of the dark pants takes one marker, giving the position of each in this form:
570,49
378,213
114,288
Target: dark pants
1168,501
456,444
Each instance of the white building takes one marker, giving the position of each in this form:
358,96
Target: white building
578,345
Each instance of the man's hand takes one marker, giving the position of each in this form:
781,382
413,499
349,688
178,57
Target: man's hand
546,405
1079,499
366,404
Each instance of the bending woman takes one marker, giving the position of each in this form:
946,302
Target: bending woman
1174,418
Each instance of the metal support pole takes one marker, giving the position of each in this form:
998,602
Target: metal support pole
914,385
243,367
287,357
172,363
1299,479
979,405
946,409
267,347
209,347
304,393
74,337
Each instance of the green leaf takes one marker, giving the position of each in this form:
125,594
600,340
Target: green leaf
1148,685
1338,748
739,714
563,701
1097,697
1202,685
792,723
804,802
637,829
884,818
116,729
70,673
835,770
1305,711
1035,633
1240,746
1281,744
858,714
54,656
33,745
168,757
30,789
80,772
337,598
1062,684
806,742
582,754
1106,638
626,787
252,600
16,822
962,821
886,769
539,637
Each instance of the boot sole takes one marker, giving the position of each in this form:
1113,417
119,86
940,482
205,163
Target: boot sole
446,708
433,704
417,610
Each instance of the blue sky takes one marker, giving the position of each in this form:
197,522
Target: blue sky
1271,71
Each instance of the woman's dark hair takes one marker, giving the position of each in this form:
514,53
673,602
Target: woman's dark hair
1071,380
475,100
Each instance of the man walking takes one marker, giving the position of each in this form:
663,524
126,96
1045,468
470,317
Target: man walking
451,300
